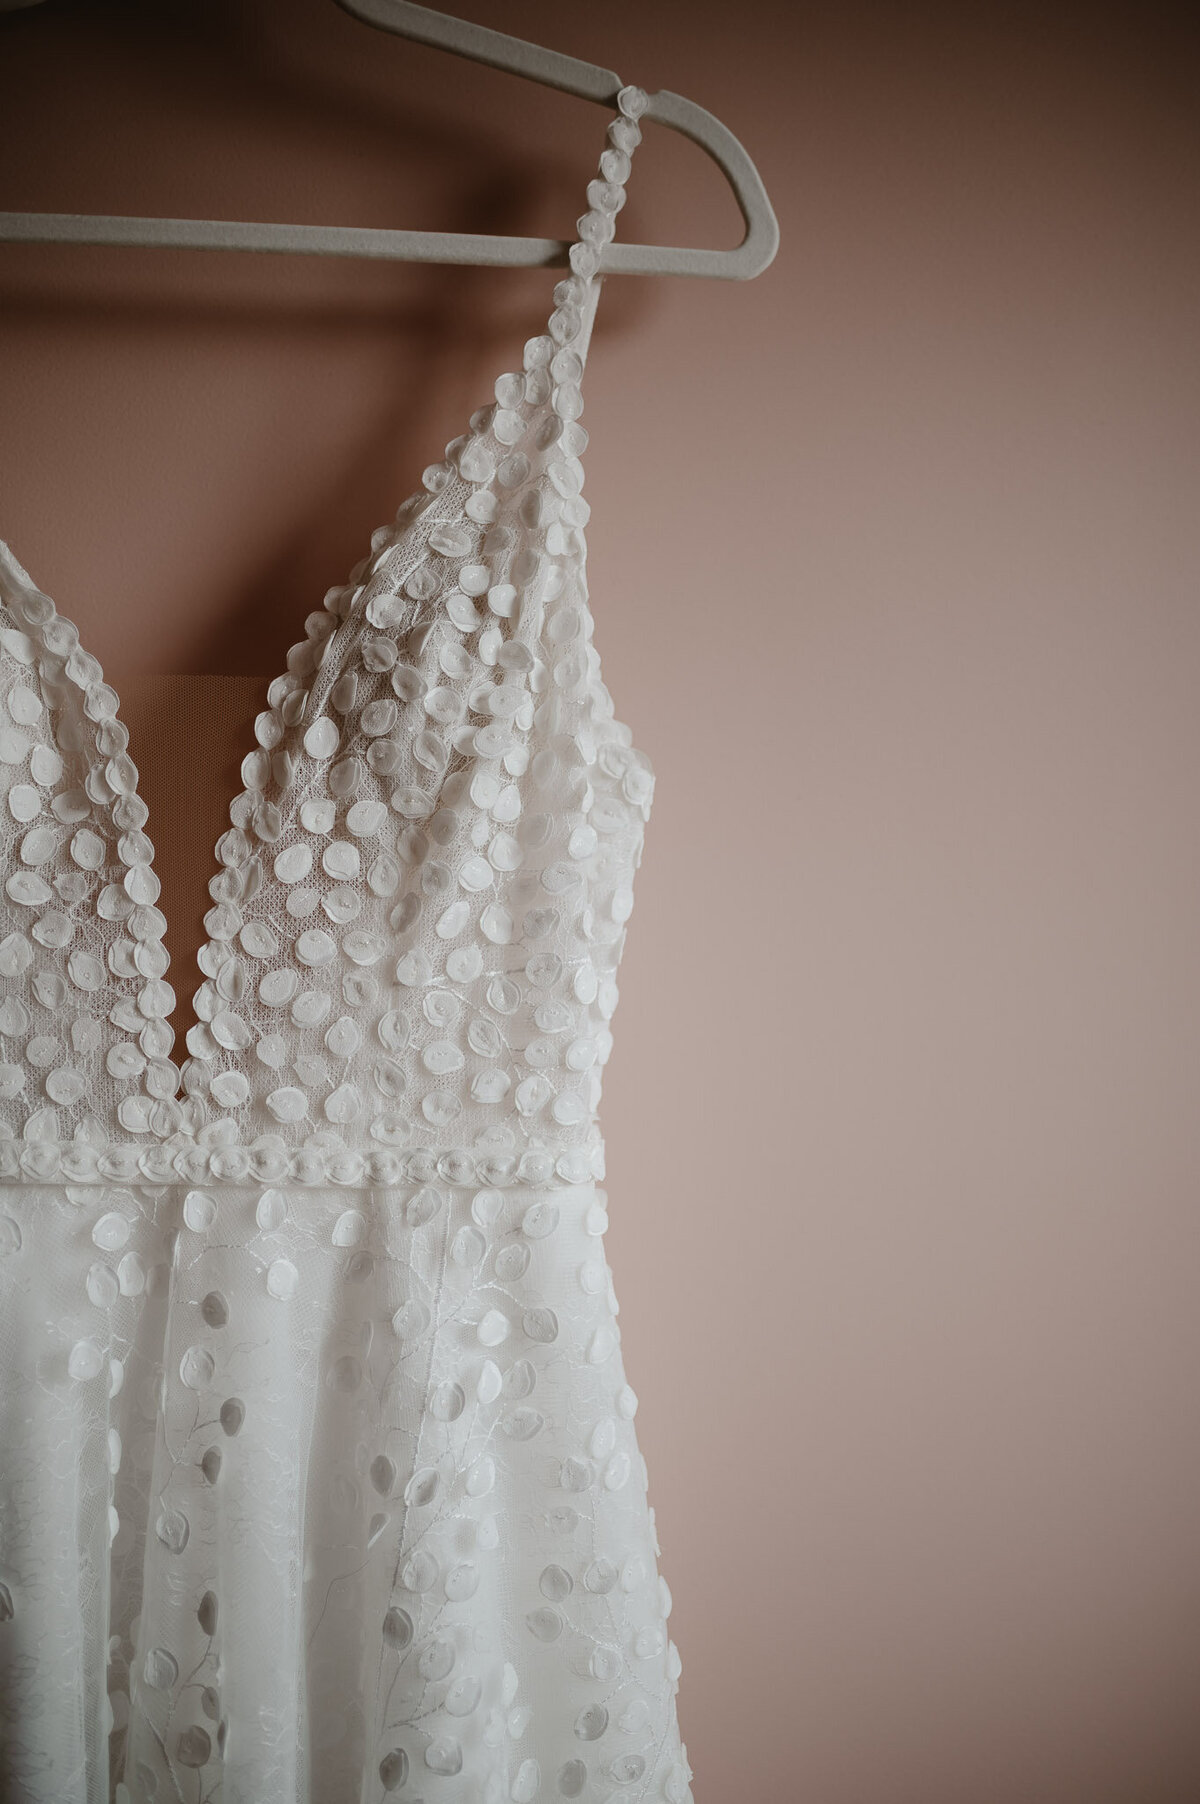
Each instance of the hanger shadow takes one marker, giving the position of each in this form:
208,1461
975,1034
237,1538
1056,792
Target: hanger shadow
456,327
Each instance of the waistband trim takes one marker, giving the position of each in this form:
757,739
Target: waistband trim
270,1161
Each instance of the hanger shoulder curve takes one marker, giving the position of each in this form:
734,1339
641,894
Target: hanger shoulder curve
590,81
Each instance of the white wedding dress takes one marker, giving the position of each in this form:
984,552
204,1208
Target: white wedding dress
318,1472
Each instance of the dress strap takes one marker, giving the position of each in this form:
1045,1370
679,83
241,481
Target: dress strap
561,351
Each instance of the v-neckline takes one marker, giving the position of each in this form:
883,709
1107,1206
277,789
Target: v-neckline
188,731
356,582
204,901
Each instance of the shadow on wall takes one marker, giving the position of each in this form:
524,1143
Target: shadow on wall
209,70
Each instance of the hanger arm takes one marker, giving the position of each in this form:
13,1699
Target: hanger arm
494,48
480,44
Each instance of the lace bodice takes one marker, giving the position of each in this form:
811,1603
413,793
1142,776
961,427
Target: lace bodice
420,902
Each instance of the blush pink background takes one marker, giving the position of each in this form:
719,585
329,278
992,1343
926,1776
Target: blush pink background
894,568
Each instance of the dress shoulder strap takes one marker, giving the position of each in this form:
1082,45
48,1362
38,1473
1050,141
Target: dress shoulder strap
561,351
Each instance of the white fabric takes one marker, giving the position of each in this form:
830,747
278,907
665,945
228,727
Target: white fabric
318,1471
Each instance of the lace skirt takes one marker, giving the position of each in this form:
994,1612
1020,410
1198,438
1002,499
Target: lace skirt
323,1495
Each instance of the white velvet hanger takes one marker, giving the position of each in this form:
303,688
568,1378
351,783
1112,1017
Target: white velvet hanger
495,48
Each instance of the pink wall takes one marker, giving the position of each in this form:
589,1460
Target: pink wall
894,565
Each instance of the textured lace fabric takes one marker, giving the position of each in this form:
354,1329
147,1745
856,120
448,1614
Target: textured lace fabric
318,1471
